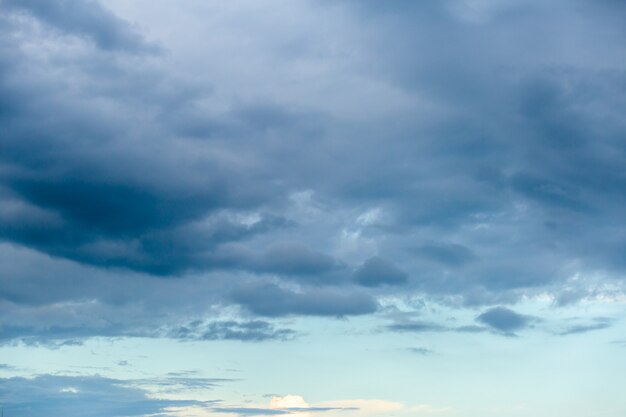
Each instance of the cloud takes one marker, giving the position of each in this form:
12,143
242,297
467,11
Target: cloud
415,327
449,254
598,323
250,411
365,407
181,185
56,336
173,384
420,350
87,396
293,405
153,210
504,320
87,19
250,331
288,401
377,271
296,259
272,301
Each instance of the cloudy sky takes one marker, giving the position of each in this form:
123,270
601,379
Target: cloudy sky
340,208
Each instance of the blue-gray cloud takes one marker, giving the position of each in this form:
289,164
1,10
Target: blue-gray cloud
89,396
250,331
377,271
449,254
416,327
504,320
598,323
296,259
482,173
85,19
59,335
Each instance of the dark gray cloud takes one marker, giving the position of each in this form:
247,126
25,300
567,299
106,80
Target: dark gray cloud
36,291
71,396
504,320
536,161
377,271
428,147
85,18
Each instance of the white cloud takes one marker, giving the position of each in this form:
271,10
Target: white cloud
288,401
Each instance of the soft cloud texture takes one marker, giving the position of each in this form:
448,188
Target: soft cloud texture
221,172
71,396
504,320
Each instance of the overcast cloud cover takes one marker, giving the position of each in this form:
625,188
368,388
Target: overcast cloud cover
229,172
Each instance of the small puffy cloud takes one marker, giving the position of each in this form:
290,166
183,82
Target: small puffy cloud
288,401
504,320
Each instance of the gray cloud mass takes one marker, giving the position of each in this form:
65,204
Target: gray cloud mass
471,156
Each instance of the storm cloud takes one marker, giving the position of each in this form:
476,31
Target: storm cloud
470,155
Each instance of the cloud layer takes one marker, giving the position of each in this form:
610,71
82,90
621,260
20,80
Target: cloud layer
470,153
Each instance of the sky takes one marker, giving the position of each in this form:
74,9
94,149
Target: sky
312,208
